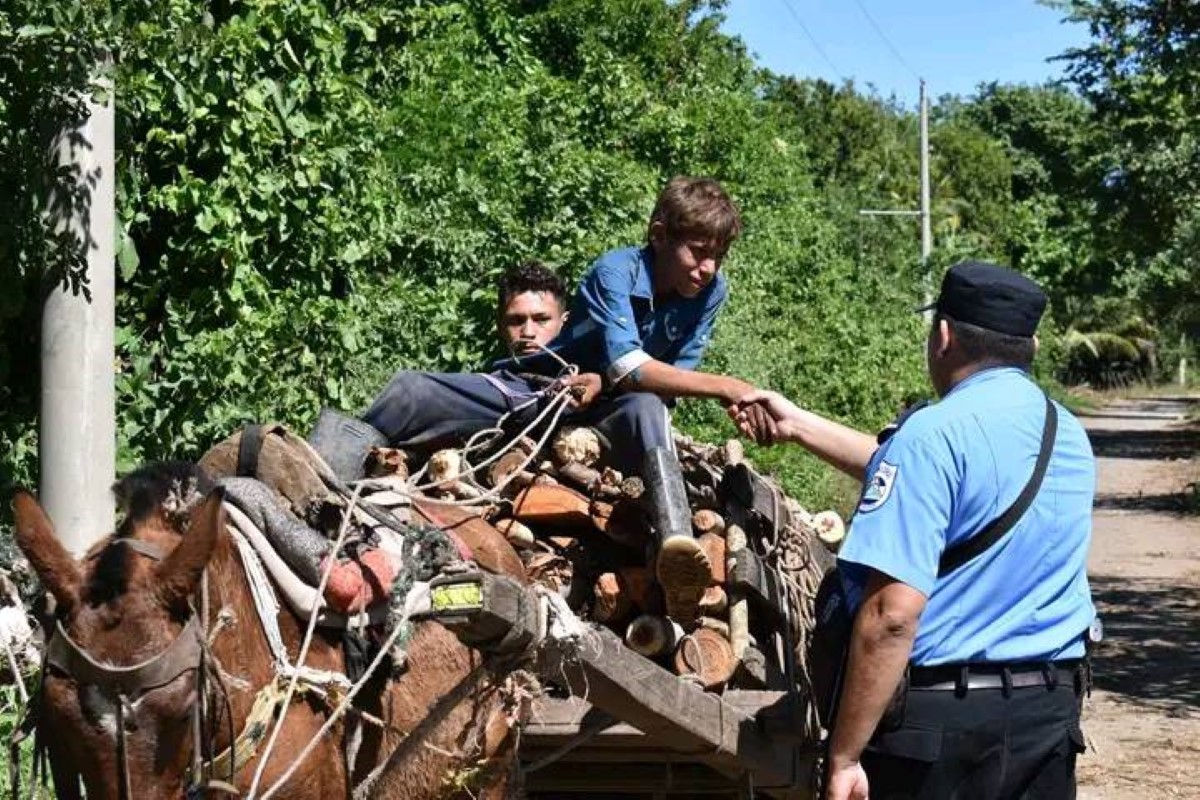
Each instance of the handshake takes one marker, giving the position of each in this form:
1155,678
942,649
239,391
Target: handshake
766,417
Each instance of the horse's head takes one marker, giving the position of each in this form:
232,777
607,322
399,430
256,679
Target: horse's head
122,675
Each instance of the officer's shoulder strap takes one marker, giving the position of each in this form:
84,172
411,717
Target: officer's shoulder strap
957,555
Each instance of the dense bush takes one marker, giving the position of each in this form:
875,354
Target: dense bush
313,193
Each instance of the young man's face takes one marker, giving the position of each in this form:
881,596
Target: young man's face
530,319
686,264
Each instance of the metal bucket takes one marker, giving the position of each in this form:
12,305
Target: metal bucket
344,443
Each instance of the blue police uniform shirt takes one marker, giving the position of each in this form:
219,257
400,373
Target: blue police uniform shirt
616,324
948,471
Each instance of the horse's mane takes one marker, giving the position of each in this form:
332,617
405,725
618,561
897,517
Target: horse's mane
171,488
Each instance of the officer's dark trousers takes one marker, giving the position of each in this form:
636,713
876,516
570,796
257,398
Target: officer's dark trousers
982,745
433,409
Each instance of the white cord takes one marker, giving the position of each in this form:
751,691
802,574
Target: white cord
331,561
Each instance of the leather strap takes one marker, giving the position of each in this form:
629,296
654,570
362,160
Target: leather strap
962,552
249,446
179,657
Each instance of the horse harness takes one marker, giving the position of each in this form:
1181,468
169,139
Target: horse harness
125,685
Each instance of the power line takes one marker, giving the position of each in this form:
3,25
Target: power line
816,45
885,38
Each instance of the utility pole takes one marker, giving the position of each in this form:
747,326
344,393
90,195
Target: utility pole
924,211
926,222
77,427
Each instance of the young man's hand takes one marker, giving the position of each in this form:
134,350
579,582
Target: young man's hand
585,388
754,409
755,422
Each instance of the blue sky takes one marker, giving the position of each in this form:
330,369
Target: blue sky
953,44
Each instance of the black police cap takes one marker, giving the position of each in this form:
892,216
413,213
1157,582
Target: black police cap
991,297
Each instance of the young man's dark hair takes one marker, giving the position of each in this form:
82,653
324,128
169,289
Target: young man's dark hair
530,276
989,348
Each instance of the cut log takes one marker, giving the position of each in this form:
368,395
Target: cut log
383,461
581,477
739,610
614,601
578,446
557,506
517,533
718,625
706,656
715,602
633,487
445,466
708,521
551,570
651,635
508,465
714,549
830,529
643,589
623,522
733,452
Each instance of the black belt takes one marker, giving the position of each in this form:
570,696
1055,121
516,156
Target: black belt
961,677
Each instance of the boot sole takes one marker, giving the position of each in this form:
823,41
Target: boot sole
684,572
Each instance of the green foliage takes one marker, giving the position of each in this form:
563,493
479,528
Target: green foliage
312,194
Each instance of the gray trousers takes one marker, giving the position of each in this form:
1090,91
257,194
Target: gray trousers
428,410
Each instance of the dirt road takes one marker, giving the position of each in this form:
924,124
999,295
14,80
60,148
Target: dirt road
1143,720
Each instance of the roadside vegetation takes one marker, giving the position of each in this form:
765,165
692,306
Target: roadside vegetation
313,193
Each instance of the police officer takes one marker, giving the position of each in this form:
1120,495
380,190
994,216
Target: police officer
992,652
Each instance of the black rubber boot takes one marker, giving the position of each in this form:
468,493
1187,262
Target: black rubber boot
681,565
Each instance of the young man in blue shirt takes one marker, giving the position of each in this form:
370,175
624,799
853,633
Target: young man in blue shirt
639,325
993,650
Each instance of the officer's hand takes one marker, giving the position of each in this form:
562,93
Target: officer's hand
585,388
848,782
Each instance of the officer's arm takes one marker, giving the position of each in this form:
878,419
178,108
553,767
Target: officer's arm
842,447
879,651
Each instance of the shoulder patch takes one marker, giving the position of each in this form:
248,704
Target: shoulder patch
879,487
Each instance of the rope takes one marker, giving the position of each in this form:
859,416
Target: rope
337,713
331,560
559,399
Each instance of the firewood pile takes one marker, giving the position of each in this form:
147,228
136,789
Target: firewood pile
583,530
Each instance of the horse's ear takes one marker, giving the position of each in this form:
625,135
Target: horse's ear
55,567
179,573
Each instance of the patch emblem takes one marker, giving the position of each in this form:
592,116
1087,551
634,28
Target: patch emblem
879,487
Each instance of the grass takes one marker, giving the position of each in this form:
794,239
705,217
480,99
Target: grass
12,711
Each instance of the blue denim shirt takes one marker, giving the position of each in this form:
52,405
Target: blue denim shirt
616,324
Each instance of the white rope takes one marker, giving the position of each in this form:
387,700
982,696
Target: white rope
400,627
266,604
331,561
559,403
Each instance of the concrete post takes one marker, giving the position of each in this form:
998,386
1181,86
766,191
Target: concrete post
77,433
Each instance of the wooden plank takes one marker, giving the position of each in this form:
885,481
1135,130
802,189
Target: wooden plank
637,691
748,574
748,493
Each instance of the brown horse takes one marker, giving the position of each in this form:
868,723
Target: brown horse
134,677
